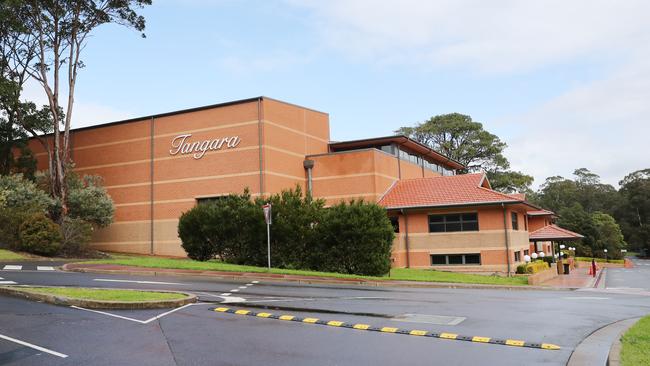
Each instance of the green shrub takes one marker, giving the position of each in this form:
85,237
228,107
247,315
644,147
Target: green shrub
229,228
75,235
354,238
40,235
532,267
294,217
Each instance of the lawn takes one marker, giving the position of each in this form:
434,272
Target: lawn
636,344
396,274
600,260
8,255
104,294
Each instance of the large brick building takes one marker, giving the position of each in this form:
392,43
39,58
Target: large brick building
158,166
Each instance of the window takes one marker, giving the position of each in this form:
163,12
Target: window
394,220
203,200
525,222
453,222
515,221
526,252
455,259
517,256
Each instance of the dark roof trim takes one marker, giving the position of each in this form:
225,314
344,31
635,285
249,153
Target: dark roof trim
472,204
189,110
396,139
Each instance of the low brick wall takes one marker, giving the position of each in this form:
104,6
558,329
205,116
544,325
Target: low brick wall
543,276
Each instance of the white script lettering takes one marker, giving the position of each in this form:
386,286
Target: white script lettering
182,145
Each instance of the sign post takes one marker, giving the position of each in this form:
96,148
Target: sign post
267,218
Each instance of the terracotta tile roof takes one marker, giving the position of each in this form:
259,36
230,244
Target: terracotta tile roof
519,196
541,212
554,232
456,190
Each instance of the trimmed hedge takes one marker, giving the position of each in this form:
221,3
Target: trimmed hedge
532,267
354,237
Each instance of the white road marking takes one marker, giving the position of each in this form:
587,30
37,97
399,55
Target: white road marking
255,281
33,346
141,282
242,287
234,290
135,320
7,283
44,268
232,299
585,298
14,267
226,294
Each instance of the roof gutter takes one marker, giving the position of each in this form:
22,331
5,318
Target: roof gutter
454,205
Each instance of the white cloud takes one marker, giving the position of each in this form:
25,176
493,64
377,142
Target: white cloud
85,113
486,36
602,124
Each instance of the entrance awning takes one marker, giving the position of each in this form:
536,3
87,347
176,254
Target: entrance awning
554,233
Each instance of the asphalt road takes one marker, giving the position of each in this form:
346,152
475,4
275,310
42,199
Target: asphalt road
196,335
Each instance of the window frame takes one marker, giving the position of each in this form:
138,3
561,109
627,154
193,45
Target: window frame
514,220
448,262
463,223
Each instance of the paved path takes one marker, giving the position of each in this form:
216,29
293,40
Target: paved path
195,335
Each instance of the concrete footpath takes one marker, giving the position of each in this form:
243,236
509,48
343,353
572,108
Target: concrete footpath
578,278
131,270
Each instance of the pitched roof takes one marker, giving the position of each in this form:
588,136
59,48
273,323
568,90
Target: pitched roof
456,190
519,196
554,232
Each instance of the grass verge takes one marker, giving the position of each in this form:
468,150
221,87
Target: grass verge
8,255
404,274
600,260
636,344
104,294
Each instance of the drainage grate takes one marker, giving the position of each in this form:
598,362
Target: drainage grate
429,319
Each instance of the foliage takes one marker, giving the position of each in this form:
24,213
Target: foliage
599,260
293,217
40,235
636,344
608,236
43,40
104,294
75,235
19,199
354,237
532,267
88,200
228,228
633,214
404,274
346,238
466,141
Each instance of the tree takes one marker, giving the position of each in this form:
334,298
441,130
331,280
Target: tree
466,141
608,235
634,211
44,40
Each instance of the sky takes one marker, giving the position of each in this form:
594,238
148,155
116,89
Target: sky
566,84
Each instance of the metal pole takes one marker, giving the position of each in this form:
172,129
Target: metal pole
268,244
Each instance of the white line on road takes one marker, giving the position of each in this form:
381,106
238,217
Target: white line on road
44,268
249,284
135,320
142,282
14,267
234,290
226,294
7,283
242,287
585,298
255,281
38,348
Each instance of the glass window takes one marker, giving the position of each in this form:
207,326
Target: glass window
455,259
204,200
517,256
453,222
472,259
526,252
394,220
438,259
515,221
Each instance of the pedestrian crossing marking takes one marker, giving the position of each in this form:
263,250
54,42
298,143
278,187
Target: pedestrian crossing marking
13,267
